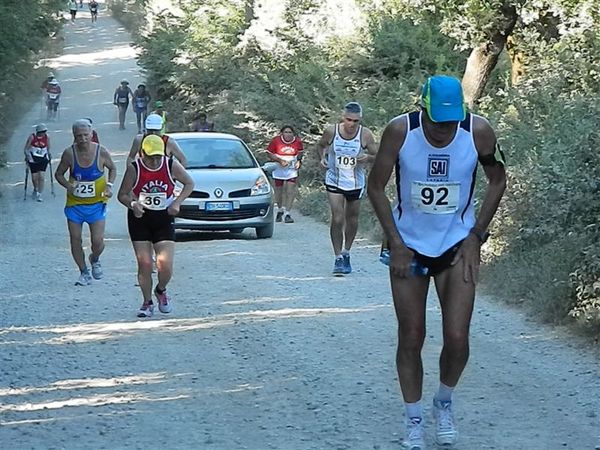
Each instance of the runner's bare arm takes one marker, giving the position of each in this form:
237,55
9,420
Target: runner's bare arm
136,146
125,194
66,160
181,175
392,140
176,151
371,146
324,143
27,147
109,164
493,166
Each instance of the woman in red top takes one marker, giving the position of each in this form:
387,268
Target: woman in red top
148,190
286,150
37,157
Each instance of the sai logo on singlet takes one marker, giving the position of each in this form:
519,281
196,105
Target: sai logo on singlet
438,167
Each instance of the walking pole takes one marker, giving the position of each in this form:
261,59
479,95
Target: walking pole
26,178
51,177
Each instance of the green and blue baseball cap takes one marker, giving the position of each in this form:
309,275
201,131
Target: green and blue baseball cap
442,97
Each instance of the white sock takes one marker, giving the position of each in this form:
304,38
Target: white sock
345,252
414,410
444,393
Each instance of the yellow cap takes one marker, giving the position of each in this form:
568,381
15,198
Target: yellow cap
153,145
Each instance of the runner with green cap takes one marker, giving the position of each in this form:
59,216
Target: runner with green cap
434,231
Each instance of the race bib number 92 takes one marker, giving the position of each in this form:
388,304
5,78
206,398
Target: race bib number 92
435,198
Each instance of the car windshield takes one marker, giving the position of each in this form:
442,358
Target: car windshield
216,154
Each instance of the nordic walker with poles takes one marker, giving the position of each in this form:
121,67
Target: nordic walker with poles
37,157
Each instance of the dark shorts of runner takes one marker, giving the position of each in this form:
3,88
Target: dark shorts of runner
279,183
38,166
153,226
355,194
438,264
52,105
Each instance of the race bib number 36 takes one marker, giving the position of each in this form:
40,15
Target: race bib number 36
153,200
85,189
345,162
435,198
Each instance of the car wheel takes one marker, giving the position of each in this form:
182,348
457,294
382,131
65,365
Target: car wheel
265,232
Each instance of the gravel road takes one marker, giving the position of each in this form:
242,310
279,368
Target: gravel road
264,350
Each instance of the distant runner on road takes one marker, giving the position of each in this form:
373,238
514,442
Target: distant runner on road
37,157
286,150
121,101
345,149
93,5
141,100
53,93
148,191
88,191
153,126
434,232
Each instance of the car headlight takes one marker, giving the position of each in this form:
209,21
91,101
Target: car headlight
261,186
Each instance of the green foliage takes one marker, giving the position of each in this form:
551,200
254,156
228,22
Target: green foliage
548,127
251,80
26,26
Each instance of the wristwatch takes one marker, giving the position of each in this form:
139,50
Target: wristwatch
481,235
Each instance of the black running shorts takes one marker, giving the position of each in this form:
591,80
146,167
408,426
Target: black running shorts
38,166
153,226
355,194
440,263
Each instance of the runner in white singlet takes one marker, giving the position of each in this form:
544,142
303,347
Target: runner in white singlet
434,231
345,149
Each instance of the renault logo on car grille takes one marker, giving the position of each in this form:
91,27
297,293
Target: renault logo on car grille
219,192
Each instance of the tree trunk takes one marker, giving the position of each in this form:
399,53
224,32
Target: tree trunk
484,57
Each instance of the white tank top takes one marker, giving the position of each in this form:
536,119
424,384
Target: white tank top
343,170
435,189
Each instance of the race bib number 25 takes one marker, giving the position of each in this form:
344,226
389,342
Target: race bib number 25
85,189
435,198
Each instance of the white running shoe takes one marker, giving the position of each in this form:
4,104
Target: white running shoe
164,302
38,197
84,279
446,433
414,435
146,310
97,272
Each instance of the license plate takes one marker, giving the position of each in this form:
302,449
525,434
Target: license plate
219,206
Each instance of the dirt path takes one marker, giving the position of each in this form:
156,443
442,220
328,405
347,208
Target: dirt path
265,350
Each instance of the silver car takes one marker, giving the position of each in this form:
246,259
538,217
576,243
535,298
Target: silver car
231,191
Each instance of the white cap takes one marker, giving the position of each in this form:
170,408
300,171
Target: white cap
154,122
41,127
